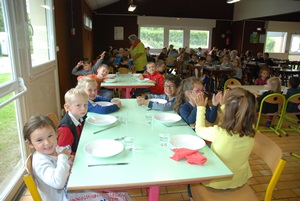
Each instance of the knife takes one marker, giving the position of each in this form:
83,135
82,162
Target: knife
104,129
107,164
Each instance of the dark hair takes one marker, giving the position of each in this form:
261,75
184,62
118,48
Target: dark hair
123,58
36,122
294,82
172,78
202,59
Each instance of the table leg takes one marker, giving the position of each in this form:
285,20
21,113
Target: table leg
127,92
153,193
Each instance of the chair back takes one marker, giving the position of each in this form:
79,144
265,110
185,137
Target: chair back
271,154
111,69
54,118
290,116
123,70
29,181
231,81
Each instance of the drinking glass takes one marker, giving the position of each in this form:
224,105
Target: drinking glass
129,143
164,139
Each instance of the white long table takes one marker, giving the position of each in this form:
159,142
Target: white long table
149,165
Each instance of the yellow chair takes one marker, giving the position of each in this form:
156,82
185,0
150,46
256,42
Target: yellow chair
231,81
288,115
270,153
111,69
279,100
54,118
28,179
123,70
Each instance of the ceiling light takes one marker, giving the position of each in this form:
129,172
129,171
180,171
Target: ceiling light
232,1
131,8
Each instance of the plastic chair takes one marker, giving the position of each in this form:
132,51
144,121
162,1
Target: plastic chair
28,179
288,115
270,153
111,69
123,70
169,69
54,118
231,81
279,100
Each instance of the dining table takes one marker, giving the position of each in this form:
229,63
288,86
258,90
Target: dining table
256,89
148,165
127,82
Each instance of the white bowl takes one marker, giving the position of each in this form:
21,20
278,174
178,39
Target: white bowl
104,103
157,100
144,80
262,91
103,148
167,117
110,80
102,120
186,141
111,76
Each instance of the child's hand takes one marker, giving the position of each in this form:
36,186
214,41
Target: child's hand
141,77
118,103
102,55
199,99
255,94
216,98
80,63
65,151
223,97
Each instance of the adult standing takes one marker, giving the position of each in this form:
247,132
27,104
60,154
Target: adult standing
138,53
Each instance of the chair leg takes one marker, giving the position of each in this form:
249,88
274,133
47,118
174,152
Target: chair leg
295,155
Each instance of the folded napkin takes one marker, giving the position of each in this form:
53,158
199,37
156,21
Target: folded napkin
192,156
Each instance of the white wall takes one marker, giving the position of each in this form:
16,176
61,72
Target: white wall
246,9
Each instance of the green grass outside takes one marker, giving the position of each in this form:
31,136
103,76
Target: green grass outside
9,140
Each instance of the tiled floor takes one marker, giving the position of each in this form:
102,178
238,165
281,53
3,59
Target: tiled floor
287,189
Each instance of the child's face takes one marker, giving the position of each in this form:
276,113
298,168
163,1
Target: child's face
197,88
151,68
170,88
102,72
161,68
91,91
44,140
87,66
78,107
264,74
236,63
194,58
202,62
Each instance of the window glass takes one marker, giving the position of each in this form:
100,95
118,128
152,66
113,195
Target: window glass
295,44
176,38
275,42
152,37
199,38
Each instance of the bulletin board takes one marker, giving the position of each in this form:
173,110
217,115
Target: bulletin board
119,33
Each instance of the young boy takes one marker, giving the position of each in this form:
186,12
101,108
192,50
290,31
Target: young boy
70,127
154,77
160,66
170,86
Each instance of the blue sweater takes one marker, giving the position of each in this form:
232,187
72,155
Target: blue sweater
101,109
188,113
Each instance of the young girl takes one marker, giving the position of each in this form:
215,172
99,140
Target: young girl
264,75
238,74
184,105
50,166
89,85
274,86
171,83
233,139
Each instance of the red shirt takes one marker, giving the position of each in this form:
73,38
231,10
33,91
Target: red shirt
65,136
159,80
260,81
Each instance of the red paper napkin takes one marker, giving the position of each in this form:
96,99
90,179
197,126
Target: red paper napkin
192,156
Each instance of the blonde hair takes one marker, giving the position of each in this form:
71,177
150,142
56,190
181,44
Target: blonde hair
73,93
275,84
84,82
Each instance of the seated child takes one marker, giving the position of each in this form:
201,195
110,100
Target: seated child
209,84
84,67
170,87
160,66
293,89
274,86
238,74
154,77
185,106
50,166
101,75
194,60
70,127
264,75
89,85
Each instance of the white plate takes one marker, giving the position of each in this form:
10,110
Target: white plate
157,100
186,141
136,74
144,80
110,80
262,91
103,148
111,76
104,103
102,120
167,117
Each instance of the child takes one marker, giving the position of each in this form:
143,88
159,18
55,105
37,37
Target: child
160,66
89,85
209,84
50,167
233,139
293,89
101,75
170,87
274,86
154,77
238,74
185,106
86,65
263,77
70,127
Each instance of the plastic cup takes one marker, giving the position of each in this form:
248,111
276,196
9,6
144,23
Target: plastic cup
129,143
149,117
164,139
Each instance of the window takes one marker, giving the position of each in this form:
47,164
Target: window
87,22
199,38
176,38
275,42
295,44
152,37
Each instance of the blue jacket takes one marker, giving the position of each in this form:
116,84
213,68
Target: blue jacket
102,109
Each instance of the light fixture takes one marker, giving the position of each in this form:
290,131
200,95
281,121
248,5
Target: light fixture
232,1
131,7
